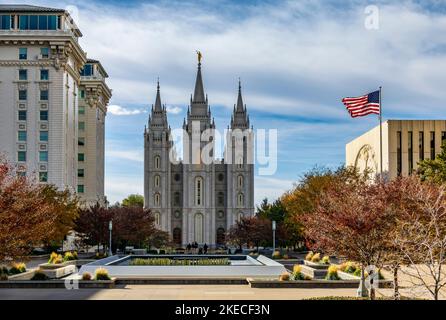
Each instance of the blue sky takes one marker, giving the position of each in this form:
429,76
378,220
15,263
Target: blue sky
296,59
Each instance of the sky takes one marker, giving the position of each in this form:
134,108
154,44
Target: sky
296,61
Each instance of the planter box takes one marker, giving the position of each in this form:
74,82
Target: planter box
316,265
51,266
347,276
60,272
23,276
314,273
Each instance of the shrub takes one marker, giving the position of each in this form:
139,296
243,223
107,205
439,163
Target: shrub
101,274
3,273
332,273
86,276
68,256
59,259
17,268
101,255
152,252
39,276
286,257
162,251
277,255
326,260
74,255
309,256
357,272
53,257
316,258
284,276
297,273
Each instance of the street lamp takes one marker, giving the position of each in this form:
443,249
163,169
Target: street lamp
274,236
110,228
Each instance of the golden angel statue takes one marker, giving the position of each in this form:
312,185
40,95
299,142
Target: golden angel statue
199,56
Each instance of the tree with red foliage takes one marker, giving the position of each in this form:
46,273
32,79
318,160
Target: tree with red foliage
352,221
30,213
250,231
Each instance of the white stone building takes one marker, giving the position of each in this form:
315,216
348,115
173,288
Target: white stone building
40,65
194,200
405,143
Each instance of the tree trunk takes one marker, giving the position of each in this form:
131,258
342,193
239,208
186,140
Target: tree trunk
396,288
362,290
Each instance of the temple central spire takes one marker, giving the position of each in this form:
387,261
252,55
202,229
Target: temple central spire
158,98
199,96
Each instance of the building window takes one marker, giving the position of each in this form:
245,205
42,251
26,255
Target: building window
221,214
81,125
80,157
240,200
23,74
199,191
21,174
87,70
177,214
80,188
176,199
220,236
399,153
43,115
157,217
157,181
45,53
43,176
82,94
81,142
421,145
443,138
44,95
221,177
410,150
220,199
23,95
240,181
21,156
157,162
176,235
80,173
432,145
23,53
43,156
5,22
44,75
22,115
81,110
22,135
157,199
199,228
38,22
43,136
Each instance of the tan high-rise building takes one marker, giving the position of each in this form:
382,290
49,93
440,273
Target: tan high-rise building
405,143
40,78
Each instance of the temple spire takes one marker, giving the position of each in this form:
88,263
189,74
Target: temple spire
158,97
199,96
239,99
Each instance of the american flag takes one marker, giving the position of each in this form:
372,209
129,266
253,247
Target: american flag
363,105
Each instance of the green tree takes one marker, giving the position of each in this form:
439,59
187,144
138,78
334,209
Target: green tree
133,200
434,170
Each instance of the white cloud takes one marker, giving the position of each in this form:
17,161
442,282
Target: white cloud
271,188
173,109
121,111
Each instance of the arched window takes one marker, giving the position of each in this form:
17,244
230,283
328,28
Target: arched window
240,200
220,236
176,234
221,214
157,162
157,181
220,199
240,181
199,191
239,216
176,199
157,219
199,228
157,199
240,163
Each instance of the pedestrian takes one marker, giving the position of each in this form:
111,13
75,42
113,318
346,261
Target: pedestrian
205,248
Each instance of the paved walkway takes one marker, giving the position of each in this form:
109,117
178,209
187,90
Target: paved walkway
174,292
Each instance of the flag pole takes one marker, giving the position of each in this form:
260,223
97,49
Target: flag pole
380,132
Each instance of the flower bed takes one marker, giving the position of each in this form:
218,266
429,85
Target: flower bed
180,262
